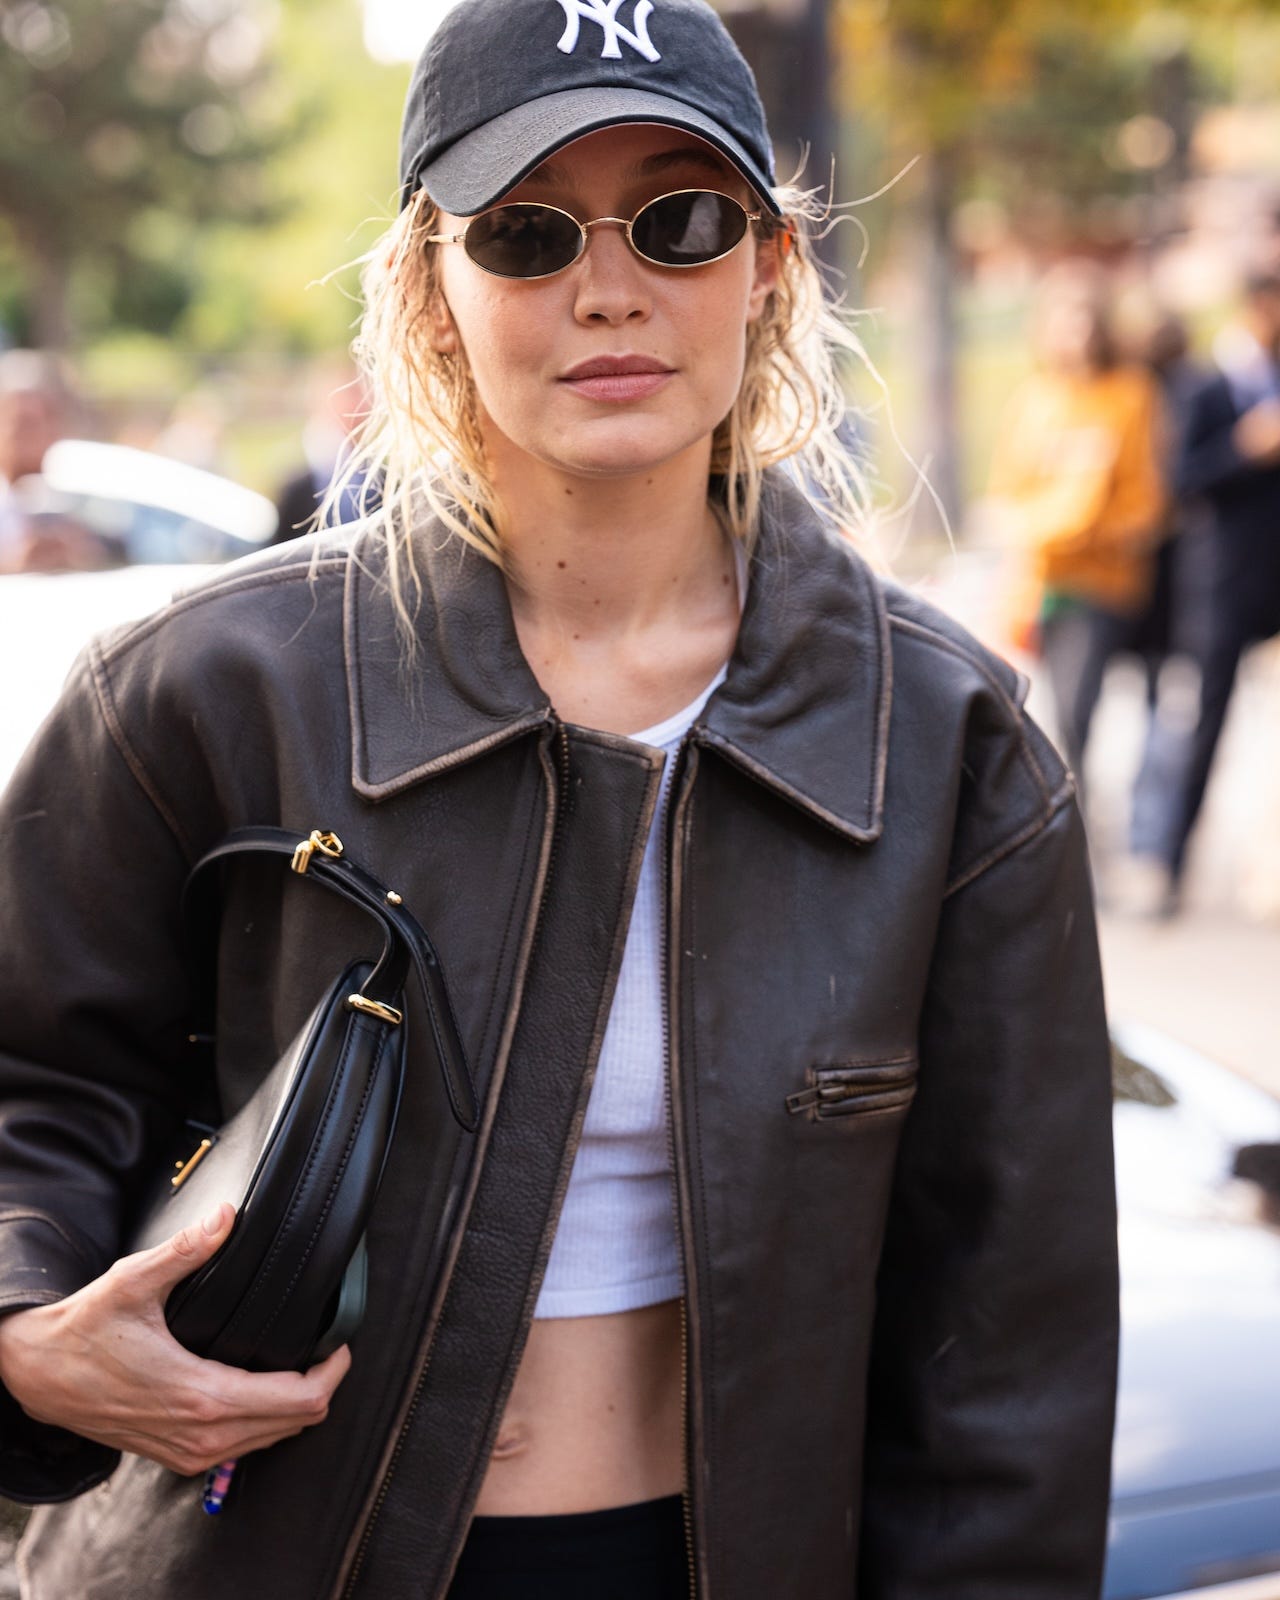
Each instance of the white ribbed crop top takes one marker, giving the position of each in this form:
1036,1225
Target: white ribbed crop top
615,1246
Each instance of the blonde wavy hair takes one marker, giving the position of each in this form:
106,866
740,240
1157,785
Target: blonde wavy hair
420,451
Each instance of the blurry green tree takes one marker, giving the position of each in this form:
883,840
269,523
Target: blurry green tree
260,286
123,127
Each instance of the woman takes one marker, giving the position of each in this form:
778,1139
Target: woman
1077,476
732,854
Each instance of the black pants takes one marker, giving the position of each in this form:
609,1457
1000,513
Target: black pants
1229,637
625,1553
1078,639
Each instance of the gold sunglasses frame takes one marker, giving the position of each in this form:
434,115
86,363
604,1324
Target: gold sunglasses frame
583,231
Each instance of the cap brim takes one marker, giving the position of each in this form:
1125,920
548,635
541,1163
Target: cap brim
480,167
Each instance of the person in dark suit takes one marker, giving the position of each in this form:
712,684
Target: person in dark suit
1227,472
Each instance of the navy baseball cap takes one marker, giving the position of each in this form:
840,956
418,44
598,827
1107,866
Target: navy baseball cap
502,84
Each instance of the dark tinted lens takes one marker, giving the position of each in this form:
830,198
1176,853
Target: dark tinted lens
523,241
681,230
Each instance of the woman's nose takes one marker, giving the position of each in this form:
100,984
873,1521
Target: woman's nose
613,285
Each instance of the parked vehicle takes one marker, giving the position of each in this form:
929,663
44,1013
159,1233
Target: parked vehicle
1196,1491
145,507
152,524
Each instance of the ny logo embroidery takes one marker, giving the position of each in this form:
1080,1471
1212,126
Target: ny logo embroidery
605,12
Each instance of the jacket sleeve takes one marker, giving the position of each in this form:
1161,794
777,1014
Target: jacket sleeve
1207,458
993,1376
93,1028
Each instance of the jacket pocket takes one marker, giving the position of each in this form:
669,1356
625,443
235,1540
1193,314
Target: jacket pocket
856,1089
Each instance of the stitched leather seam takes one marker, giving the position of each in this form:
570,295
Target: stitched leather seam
907,625
295,1201
131,758
341,1173
852,1063
708,1413
1015,841
146,626
709,739
532,837
884,695
356,701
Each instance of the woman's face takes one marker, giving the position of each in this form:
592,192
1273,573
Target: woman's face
1071,334
530,342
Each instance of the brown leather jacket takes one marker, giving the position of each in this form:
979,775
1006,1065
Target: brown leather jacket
887,1062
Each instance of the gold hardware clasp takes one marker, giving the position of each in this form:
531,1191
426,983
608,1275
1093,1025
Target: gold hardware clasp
328,844
375,1008
187,1167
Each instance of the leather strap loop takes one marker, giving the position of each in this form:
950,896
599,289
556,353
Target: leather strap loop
405,944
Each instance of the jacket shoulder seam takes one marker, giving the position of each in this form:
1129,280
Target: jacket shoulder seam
1011,707
1012,842
128,754
146,626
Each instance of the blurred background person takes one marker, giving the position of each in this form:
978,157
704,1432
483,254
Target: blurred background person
1077,491
1157,339
1228,473
337,405
35,410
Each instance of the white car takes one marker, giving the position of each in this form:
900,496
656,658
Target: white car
159,519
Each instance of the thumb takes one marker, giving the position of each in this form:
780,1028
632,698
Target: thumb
165,1265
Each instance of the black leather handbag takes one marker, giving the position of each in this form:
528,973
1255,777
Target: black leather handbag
302,1159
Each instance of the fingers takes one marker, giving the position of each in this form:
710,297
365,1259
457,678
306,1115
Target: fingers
208,1413
270,1396
154,1272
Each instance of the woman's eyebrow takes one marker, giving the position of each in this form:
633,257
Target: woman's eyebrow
690,156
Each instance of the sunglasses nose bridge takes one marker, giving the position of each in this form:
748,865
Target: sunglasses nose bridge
617,222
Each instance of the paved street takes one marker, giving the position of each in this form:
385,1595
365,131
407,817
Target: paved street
1211,976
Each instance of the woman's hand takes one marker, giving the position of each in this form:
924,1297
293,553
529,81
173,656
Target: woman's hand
103,1364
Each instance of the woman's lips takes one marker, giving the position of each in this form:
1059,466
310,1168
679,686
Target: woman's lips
617,378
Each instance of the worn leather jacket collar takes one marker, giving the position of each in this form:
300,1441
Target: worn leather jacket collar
805,659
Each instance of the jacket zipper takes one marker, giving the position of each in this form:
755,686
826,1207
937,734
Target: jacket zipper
558,791
682,780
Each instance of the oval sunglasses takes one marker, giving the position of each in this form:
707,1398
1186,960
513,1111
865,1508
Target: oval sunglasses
523,239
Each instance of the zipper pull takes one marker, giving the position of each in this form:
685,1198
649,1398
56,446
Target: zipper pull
803,1100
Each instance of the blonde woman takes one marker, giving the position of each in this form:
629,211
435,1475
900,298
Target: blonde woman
782,1262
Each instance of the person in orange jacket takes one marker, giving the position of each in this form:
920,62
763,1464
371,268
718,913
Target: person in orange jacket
1077,484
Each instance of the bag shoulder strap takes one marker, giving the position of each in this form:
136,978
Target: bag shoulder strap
321,859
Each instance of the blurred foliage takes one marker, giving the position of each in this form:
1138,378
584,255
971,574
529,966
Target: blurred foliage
261,287
187,168
123,127
1029,101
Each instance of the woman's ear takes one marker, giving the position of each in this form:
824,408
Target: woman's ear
768,265
444,332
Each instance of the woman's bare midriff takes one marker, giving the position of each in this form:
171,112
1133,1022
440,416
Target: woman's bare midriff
594,1417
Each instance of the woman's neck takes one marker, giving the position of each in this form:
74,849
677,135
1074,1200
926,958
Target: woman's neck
623,591
617,556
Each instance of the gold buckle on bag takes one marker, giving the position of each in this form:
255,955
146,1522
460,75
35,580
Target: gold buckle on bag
327,844
375,1008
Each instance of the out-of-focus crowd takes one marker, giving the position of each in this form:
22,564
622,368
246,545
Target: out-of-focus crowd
1138,495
